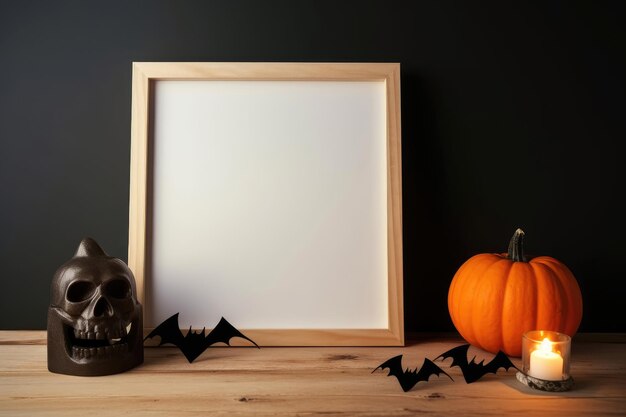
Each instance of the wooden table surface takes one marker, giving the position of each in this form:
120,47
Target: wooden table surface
302,381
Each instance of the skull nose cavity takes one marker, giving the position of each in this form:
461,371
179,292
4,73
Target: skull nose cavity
102,308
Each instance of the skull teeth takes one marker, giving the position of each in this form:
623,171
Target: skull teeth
99,332
100,352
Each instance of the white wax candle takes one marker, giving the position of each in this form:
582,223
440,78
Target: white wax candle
546,364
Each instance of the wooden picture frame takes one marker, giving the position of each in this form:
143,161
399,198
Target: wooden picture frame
148,75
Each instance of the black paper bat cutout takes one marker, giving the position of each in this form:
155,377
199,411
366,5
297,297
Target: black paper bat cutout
410,377
194,343
473,371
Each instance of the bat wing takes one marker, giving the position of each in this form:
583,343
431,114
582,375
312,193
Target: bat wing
394,365
169,332
193,344
473,371
405,378
428,369
223,332
500,361
409,378
458,355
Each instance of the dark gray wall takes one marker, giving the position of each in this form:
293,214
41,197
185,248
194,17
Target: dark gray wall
513,115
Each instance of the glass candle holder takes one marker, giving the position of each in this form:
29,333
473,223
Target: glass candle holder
546,355
545,361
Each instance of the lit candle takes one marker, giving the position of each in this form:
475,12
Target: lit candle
545,363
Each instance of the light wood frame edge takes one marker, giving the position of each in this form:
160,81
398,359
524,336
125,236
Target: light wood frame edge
146,72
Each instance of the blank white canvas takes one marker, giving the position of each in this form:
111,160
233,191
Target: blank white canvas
269,204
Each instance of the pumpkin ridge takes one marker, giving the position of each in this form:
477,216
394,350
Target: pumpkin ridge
453,285
502,322
462,317
565,312
475,319
516,310
506,286
566,281
532,265
546,260
460,281
545,277
466,269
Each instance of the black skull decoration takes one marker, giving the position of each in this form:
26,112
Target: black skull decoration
94,321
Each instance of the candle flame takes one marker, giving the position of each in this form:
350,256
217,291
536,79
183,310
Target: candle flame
546,345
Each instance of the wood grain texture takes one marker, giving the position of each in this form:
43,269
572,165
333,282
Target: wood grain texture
394,206
310,337
281,71
138,199
145,73
334,381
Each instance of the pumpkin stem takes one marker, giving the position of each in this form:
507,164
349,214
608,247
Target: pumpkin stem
516,247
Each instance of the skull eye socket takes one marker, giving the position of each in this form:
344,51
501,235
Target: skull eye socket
118,288
80,291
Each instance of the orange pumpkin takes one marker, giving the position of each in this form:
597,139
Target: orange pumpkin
495,298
